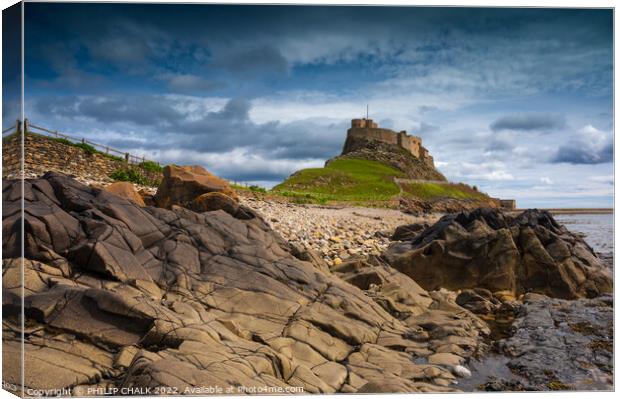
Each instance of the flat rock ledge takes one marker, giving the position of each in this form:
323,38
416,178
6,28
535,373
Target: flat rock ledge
552,345
123,296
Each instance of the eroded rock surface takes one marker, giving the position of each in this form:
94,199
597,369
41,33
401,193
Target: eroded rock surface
553,344
125,190
559,344
119,295
487,249
182,184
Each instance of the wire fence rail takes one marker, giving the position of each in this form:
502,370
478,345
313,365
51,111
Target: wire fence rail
31,128
127,157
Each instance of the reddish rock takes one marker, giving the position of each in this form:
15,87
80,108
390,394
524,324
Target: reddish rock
125,190
214,201
182,184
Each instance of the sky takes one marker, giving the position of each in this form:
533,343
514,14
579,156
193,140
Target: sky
515,101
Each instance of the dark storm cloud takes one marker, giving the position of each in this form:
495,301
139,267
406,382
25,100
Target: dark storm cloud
188,83
11,112
518,46
216,131
143,111
11,65
578,152
426,128
257,175
117,72
498,145
528,122
243,60
120,50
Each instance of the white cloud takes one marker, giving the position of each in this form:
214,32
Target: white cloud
546,180
592,135
603,179
489,171
495,175
241,164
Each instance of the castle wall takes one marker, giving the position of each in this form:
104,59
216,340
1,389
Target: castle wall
365,129
379,134
508,204
410,143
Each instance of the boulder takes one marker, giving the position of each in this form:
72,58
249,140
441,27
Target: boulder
475,302
214,201
487,249
122,296
408,231
182,184
125,190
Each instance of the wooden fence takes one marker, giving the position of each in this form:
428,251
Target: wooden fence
129,158
30,128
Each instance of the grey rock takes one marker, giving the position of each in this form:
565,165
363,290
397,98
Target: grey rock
119,295
487,249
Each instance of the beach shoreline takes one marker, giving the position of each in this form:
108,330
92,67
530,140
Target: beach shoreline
575,211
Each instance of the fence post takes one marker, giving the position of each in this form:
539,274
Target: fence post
18,126
25,126
83,140
127,157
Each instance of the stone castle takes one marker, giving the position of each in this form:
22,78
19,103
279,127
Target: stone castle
365,130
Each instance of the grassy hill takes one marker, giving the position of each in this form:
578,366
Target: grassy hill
364,181
343,180
431,191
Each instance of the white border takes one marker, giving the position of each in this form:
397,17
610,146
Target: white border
458,3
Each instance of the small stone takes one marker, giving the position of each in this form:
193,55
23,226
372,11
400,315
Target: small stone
461,371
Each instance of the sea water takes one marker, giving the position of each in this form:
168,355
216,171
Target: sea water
598,229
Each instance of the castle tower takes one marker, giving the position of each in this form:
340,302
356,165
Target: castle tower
358,123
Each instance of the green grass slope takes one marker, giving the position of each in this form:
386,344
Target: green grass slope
343,180
363,181
430,191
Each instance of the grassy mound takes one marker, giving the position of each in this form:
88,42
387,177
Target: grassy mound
343,180
431,191
366,182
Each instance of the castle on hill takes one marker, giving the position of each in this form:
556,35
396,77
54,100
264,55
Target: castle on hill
366,130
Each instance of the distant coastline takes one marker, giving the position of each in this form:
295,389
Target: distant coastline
579,211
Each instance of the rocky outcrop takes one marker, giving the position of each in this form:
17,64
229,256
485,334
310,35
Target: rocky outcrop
182,184
408,232
123,296
553,344
125,190
417,206
562,345
393,155
486,249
